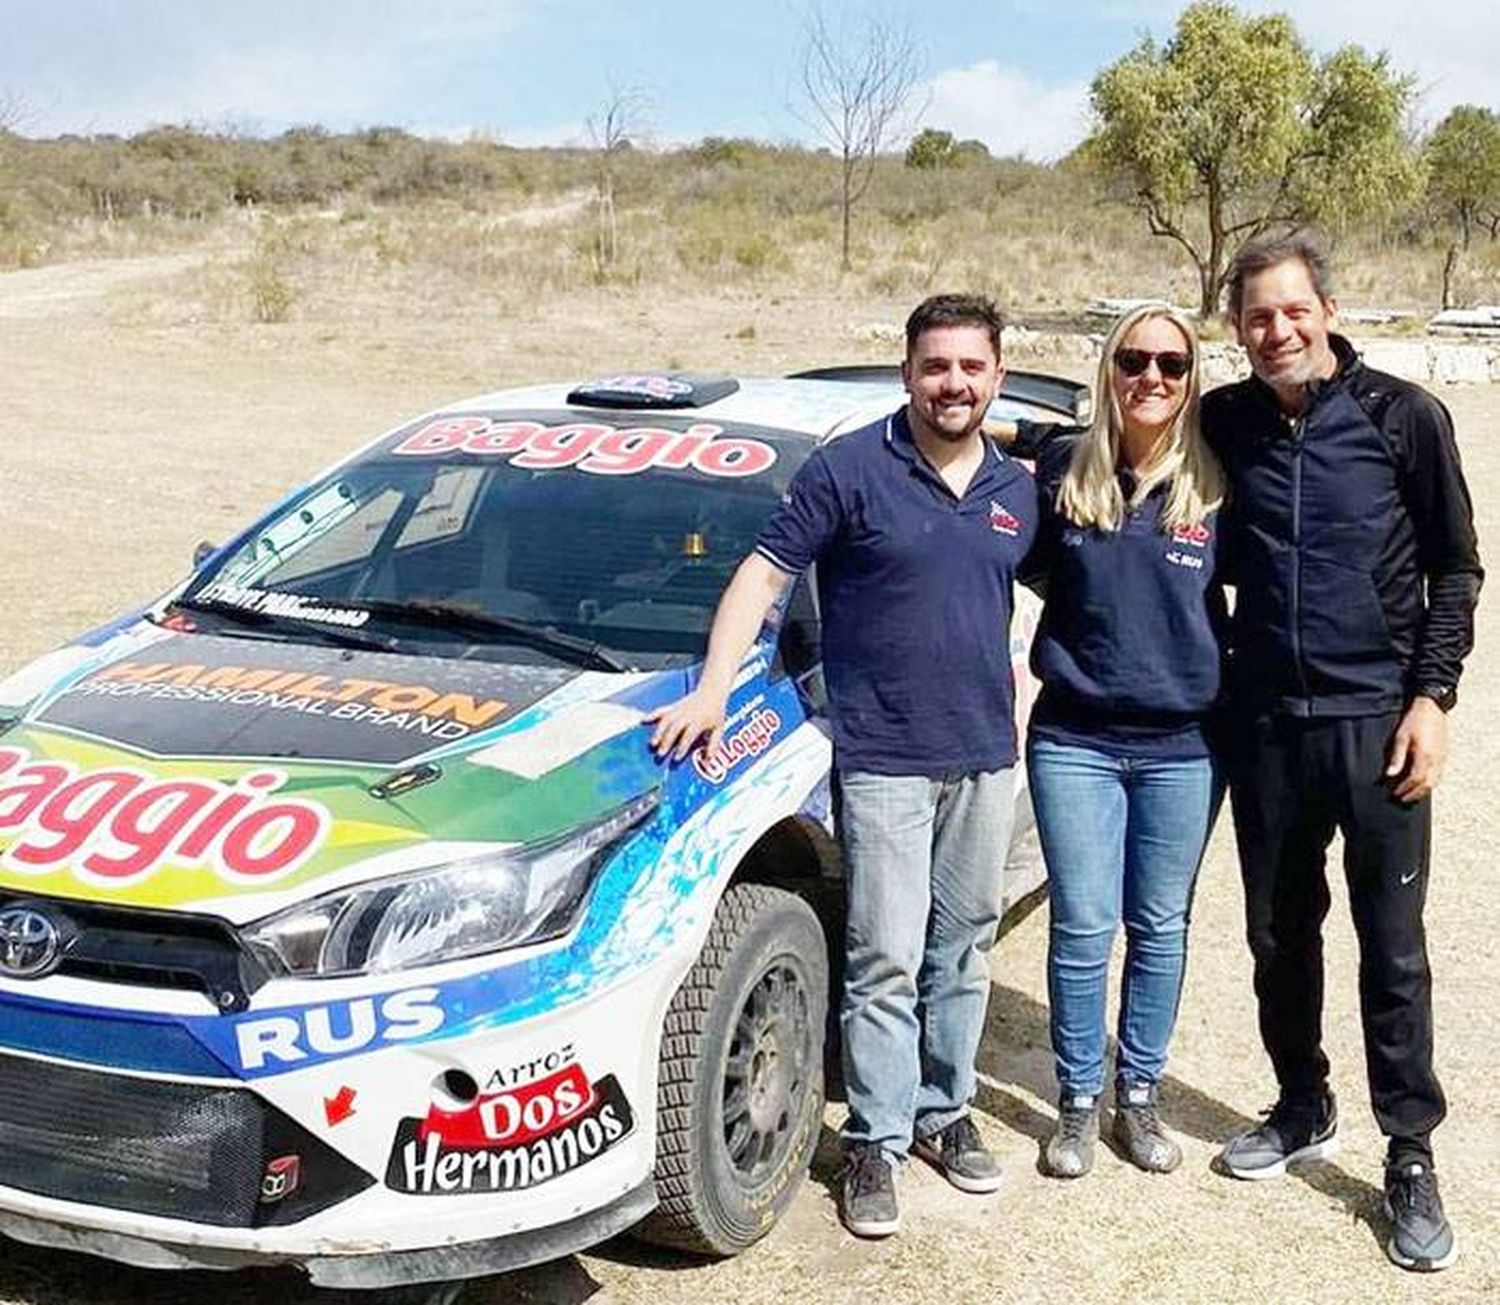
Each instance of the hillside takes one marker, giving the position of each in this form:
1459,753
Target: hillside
310,225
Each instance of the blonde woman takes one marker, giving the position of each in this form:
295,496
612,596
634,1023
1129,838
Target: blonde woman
1121,773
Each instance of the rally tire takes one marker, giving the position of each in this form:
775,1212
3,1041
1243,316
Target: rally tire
746,1029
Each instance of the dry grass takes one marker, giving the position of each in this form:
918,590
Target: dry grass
443,258
317,220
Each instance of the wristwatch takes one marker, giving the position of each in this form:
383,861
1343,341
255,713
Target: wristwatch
1445,695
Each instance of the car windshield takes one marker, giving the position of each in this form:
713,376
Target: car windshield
541,533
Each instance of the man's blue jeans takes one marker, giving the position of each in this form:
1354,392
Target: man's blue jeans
1122,838
924,859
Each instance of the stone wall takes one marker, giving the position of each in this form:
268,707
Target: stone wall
1428,362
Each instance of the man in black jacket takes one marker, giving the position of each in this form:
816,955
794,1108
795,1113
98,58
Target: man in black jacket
1356,572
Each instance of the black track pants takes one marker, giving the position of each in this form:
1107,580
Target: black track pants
1292,783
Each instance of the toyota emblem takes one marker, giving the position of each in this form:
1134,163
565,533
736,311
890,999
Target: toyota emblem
30,943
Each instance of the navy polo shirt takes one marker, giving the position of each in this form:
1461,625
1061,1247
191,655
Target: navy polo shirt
915,586
1128,648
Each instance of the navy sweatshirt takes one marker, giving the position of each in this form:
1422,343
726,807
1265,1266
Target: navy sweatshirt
915,586
1128,649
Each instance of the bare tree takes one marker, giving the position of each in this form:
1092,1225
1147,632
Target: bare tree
13,110
854,92
612,129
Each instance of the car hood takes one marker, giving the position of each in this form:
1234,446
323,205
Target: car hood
235,776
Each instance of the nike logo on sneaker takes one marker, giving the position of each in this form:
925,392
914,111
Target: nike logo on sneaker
1409,876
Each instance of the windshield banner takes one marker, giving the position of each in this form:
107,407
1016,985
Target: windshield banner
593,447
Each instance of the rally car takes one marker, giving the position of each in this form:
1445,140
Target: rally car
347,919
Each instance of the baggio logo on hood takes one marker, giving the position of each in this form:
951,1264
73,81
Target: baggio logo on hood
337,1029
118,824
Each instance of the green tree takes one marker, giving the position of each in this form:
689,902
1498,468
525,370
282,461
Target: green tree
1463,181
1233,127
931,149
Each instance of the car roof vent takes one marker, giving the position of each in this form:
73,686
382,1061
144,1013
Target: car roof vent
653,390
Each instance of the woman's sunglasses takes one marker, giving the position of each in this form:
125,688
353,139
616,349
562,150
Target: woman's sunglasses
1171,363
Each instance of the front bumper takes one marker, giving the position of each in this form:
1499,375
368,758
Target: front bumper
363,1270
442,1158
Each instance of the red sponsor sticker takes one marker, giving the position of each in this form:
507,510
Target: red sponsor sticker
340,1106
116,824
750,740
516,1115
593,447
281,1178
511,1140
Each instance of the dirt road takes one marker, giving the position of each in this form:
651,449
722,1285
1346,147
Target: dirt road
129,431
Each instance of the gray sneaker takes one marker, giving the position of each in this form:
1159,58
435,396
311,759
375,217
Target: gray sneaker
1421,1236
867,1193
960,1155
1070,1149
1292,1131
1138,1132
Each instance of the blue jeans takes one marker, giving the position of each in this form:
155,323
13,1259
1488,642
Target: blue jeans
1122,838
924,859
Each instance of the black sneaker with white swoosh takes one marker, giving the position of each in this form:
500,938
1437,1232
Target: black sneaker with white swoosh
1421,1237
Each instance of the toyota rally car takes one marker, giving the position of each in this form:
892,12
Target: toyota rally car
347,919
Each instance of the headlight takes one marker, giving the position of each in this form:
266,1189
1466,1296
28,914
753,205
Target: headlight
444,912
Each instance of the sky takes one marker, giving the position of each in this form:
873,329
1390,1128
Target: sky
1012,73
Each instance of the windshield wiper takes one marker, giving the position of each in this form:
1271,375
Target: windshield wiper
339,636
500,629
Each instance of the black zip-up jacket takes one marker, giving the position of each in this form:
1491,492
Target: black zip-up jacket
1351,543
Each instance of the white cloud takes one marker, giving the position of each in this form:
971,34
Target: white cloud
1009,111
568,135
1450,46
88,65
285,85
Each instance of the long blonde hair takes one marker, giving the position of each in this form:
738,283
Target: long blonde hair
1090,493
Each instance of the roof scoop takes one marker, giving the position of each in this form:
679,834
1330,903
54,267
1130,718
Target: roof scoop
653,390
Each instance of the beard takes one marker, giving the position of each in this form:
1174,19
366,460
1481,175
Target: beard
953,436
949,434
1299,369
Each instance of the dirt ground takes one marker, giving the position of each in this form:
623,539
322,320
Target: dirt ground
131,428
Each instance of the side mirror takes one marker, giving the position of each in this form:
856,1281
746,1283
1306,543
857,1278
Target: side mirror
202,551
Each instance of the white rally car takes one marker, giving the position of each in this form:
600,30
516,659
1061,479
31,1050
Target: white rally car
347,919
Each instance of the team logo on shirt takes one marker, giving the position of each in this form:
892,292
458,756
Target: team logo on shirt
1003,520
1186,539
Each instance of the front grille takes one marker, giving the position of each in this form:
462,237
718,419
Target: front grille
151,948
181,1150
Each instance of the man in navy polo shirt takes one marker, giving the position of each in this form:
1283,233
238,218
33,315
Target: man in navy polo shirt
917,524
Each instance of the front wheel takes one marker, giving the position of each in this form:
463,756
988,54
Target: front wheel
740,1087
